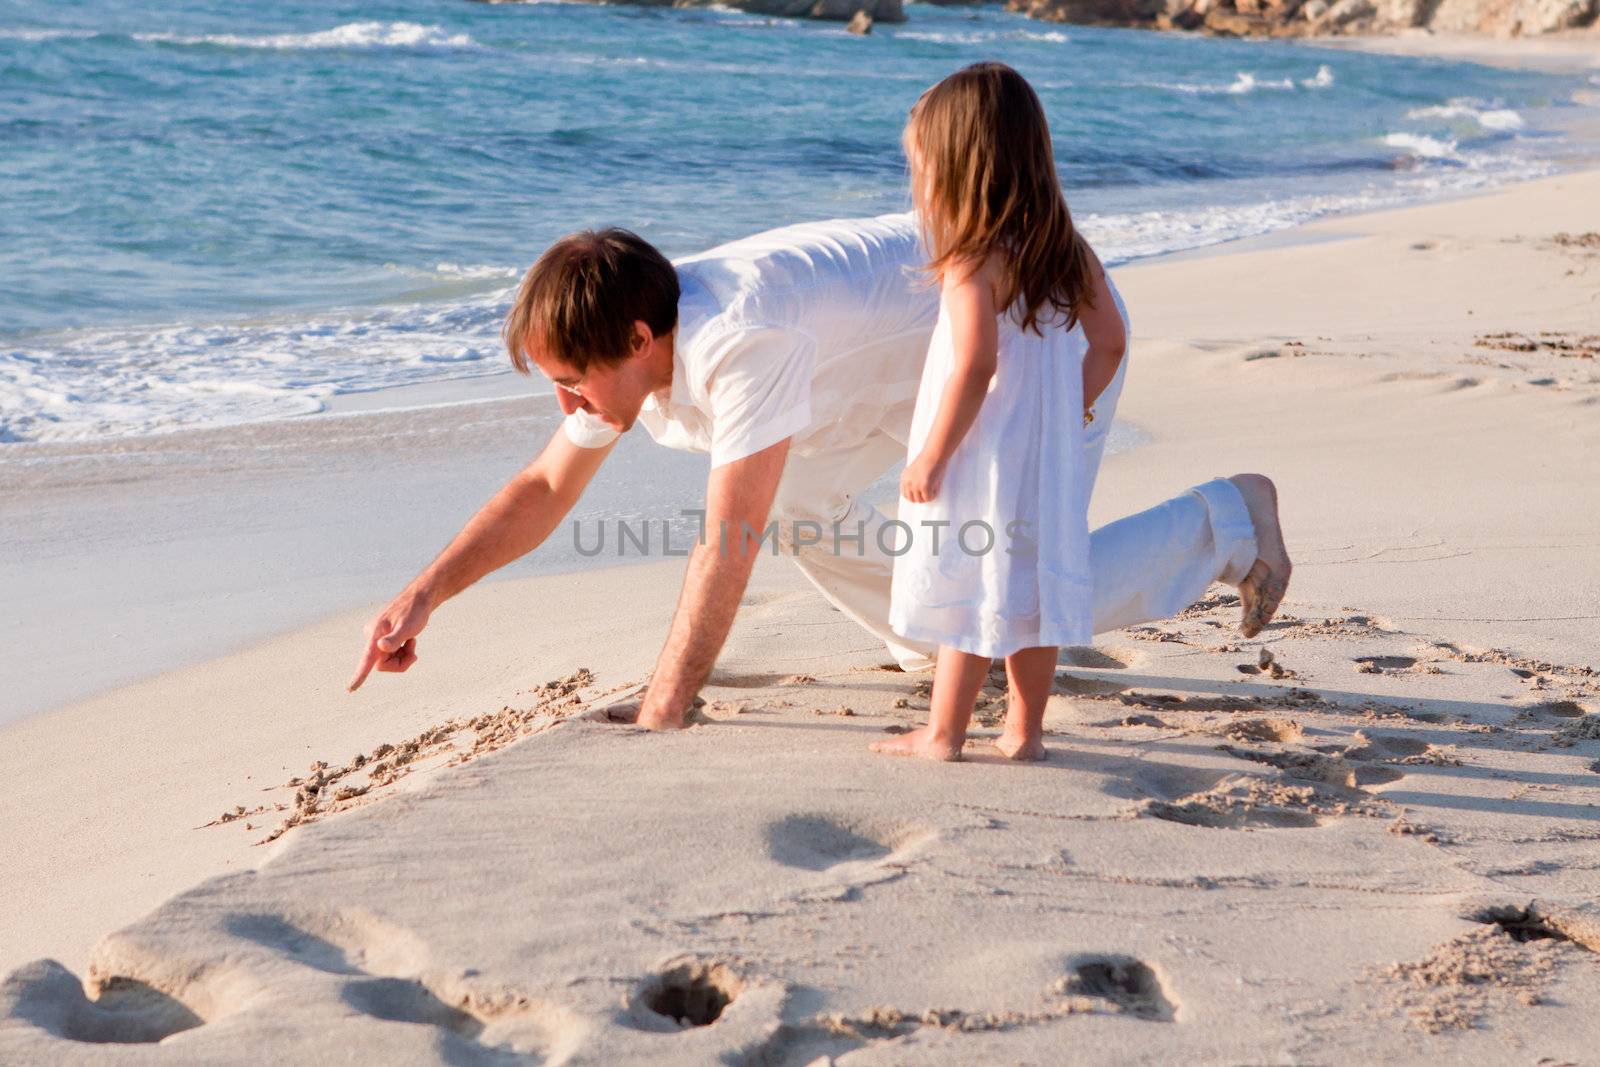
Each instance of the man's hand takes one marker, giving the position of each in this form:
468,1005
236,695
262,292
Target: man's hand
512,524
630,711
738,496
392,636
921,480
640,713
661,718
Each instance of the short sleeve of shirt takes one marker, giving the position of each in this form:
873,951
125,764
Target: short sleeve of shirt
587,430
760,390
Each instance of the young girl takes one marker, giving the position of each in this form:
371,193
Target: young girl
995,488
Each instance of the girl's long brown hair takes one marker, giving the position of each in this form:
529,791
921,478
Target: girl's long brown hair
984,181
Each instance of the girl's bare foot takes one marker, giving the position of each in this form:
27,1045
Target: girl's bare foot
1017,747
1263,588
921,742
1030,671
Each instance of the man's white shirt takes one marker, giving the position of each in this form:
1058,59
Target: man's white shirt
816,332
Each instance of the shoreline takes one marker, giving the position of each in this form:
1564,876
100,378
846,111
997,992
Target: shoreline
361,429
211,540
1582,130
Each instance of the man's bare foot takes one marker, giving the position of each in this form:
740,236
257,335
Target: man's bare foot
1017,747
1263,588
921,742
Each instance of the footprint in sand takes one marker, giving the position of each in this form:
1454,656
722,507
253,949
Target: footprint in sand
1283,731
1130,984
1531,923
1398,713
1379,664
1559,709
390,979
736,1013
1073,686
111,1011
1227,812
1508,964
1219,800
1084,657
1315,767
119,1008
1164,781
1097,659
684,995
379,970
820,842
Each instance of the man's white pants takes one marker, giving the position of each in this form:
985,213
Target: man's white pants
1150,565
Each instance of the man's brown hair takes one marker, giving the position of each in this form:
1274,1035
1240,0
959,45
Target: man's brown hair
579,302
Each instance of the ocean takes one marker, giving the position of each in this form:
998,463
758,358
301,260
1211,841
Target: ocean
213,213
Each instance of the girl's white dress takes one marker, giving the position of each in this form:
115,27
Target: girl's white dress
999,560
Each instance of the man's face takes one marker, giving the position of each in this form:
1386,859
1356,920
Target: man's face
613,391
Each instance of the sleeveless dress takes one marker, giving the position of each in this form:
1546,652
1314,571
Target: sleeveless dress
999,560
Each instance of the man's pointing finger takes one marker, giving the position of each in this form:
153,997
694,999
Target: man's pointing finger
365,669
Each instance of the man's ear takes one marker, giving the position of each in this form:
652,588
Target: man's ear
643,336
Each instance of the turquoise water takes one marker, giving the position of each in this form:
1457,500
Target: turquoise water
217,212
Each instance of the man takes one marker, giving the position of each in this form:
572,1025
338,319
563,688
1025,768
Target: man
793,357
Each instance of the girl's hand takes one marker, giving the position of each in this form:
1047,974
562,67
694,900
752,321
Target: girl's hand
920,481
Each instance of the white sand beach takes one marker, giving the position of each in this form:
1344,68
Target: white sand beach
1572,51
1368,835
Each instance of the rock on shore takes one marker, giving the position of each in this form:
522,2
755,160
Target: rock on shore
828,10
1302,18
833,10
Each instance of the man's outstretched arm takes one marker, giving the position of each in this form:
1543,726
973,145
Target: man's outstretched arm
513,523
738,497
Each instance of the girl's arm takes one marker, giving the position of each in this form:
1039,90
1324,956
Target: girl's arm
1103,328
975,337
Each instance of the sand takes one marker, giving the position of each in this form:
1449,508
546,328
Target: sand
1376,842
133,556
1568,52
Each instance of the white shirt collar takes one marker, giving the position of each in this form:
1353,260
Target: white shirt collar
694,310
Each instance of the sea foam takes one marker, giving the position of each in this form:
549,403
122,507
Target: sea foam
1498,120
1244,83
1323,79
1421,145
113,381
352,36
9,34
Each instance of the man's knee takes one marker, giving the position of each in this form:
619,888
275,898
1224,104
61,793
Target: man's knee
803,524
